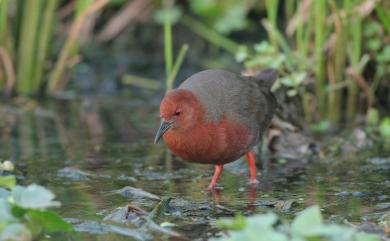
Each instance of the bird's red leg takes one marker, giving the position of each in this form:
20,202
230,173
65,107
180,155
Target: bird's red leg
252,167
217,173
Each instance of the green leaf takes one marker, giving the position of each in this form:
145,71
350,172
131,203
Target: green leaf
373,117
7,181
204,7
50,221
384,56
238,223
5,212
366,237
374,44
3,193
308,219
332,232
262,221
18,212
174,14
242,53
322,126
16,232
384,127
33,197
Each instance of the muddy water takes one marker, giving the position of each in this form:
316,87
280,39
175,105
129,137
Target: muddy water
84,150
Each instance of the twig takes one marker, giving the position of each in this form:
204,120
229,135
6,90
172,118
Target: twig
9,70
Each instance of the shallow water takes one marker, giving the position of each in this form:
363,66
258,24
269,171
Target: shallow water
85,149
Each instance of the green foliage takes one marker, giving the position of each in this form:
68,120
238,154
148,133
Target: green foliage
224,16
23,211
306,226
327,45
32,197
376,125
384,127
267,56
26,50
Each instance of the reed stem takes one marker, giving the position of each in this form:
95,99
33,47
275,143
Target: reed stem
27,48
168,43
355,27
176,67
45,36
320,29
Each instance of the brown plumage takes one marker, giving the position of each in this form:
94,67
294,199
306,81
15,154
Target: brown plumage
215,117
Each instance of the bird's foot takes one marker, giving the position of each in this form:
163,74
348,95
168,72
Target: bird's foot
211,187
253,182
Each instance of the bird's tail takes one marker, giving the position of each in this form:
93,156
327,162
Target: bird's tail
267,77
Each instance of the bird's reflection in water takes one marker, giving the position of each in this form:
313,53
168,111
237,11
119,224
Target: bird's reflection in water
217,197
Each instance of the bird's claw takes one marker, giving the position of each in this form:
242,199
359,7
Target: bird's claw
253,182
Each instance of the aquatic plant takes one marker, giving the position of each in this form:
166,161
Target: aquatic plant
26,44
171,67
307,225
24,213
325,39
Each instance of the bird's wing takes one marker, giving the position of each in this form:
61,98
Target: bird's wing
246,100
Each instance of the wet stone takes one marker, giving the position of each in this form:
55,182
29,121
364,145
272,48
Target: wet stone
74,174
383,206
131,192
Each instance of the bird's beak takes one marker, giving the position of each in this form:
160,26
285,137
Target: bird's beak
164,126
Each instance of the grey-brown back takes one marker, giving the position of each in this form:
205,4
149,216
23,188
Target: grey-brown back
247,100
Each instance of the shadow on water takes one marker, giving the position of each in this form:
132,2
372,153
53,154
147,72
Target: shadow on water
84,150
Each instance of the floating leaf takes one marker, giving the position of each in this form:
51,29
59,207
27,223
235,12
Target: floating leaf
238,223
263,221
5,212
16,232
307,226
50,221
34,197
308,219
7,181
3,193
366,237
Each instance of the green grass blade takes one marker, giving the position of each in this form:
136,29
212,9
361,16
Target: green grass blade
274,33
3,21
27,46
210,34
176,67
44,40
168,43
384,17
320,18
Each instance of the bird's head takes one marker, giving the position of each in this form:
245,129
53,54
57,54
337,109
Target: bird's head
179,111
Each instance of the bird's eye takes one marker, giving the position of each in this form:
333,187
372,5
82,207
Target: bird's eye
177,112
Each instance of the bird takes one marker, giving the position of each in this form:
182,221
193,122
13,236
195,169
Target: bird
216,117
